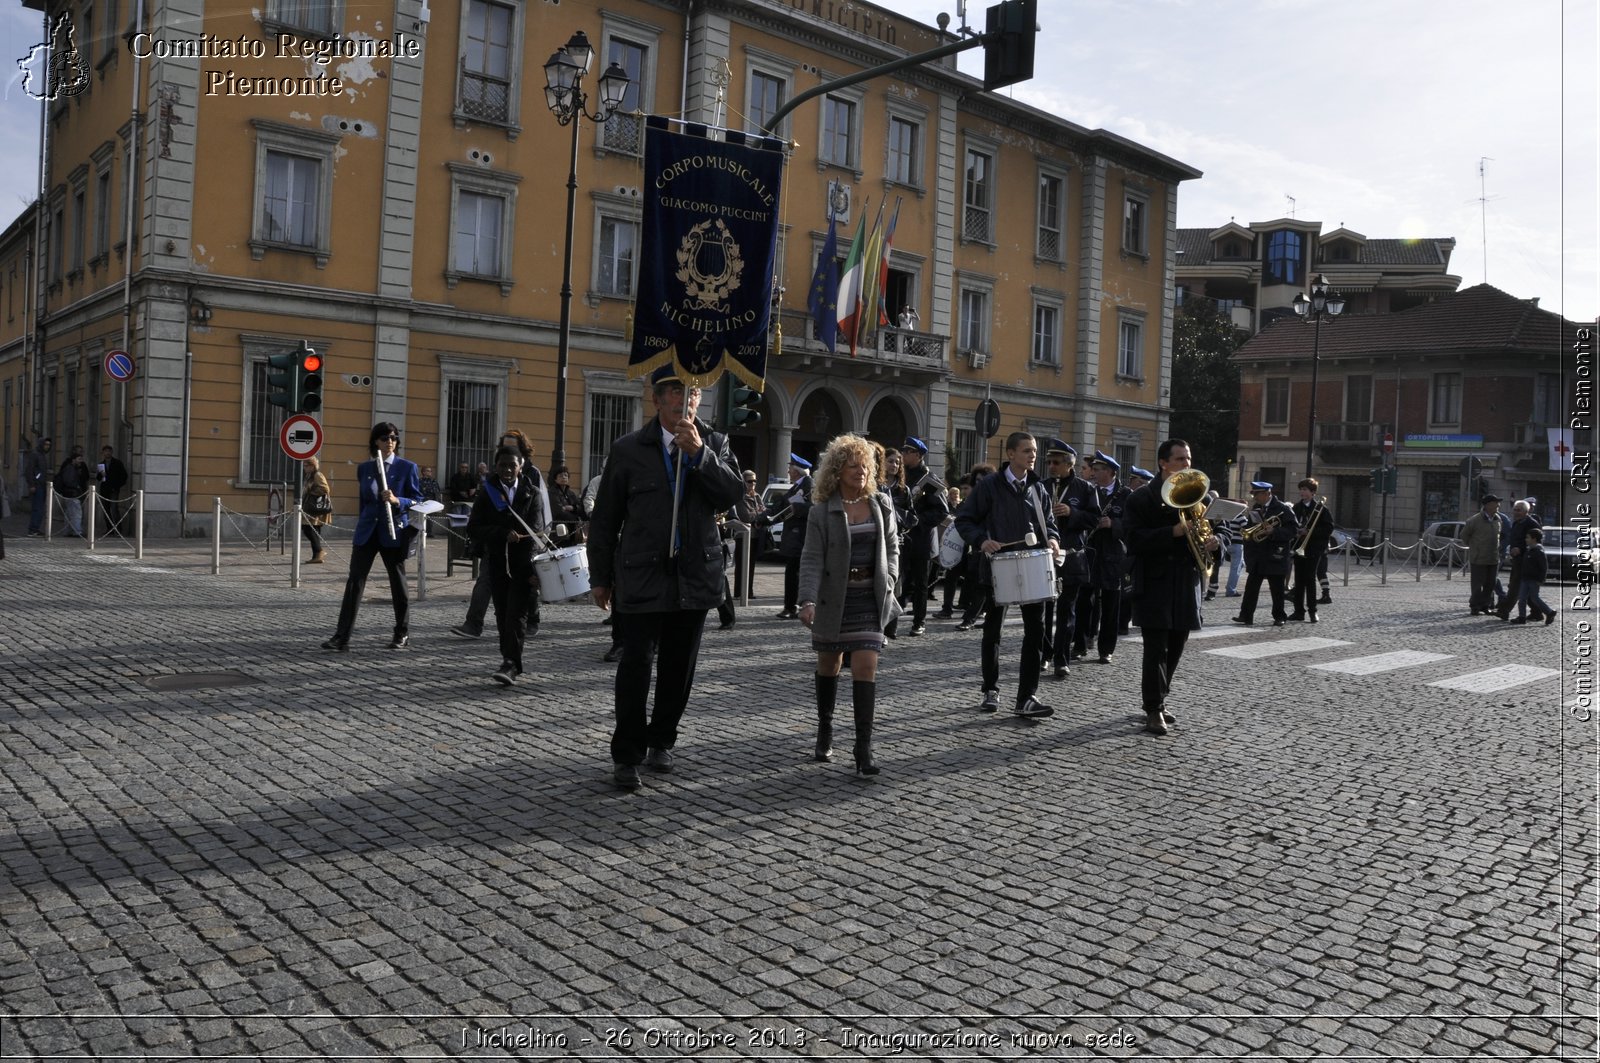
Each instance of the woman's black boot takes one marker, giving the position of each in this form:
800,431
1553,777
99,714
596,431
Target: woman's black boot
864,692
827,691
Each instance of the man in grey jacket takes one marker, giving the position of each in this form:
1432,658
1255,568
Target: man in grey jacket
660,576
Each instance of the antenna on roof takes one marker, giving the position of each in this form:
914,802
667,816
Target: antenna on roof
1483,207
1291,203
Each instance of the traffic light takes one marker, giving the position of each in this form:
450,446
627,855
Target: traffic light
1008,43
1384,479
283,381
1378,478
308,379
742,403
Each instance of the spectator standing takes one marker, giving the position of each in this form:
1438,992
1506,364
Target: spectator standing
112,476
72,483
797,505
463,487
37,471
316,508
566,508
747,511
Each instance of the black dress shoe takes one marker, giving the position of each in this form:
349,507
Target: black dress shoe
1311,618
1297,615
1242,620
1277,621
337,643
787,615
918,630
1324,600
1062,671
399,642
943,614
613,655
1155,721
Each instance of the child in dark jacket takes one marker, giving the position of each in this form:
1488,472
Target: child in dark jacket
503,513
1532,570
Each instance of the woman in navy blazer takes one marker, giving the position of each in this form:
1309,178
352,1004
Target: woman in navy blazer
373,537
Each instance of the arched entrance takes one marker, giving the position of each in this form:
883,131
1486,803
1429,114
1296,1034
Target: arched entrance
887,424
821,418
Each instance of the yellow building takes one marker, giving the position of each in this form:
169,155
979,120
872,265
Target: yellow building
385,182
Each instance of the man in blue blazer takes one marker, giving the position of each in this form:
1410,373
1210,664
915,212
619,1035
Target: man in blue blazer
381,531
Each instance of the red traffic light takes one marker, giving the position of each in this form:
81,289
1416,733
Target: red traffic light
311,362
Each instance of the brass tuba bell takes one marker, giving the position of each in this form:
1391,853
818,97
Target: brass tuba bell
1189,492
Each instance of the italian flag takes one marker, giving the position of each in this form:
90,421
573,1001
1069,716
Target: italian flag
850,285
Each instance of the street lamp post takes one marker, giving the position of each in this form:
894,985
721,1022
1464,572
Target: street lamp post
563,75
1324,302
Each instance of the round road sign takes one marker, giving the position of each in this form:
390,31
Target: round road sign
119,365
300,437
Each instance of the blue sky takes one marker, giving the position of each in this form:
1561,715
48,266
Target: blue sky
1373,114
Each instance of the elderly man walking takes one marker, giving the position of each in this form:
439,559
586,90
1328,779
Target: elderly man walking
1481,533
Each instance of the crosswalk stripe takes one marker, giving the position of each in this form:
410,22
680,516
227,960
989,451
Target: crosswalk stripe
1382,662
1277,649
1210,633
1491,680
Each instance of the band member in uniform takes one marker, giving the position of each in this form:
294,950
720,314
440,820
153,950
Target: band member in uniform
1076,508
792,513
1266,553
931,507
503,514
381,531
747,511
1310,550
1100,600
1137,478
847,578
999,515
662,577
1166,579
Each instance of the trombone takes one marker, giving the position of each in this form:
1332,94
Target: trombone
1304,538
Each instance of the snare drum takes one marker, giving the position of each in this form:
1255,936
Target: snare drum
951,547
563,574
1023,576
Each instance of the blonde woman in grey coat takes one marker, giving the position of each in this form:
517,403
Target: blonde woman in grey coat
847,577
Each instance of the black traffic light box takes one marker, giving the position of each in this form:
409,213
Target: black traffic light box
283,381
1008,41
308,379
741,409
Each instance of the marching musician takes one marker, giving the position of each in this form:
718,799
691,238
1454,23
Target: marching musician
1076,508
1310,551
1268,539
930,507
504,515
795,507
1167,578
1137,478
388,486
998,516
1100,600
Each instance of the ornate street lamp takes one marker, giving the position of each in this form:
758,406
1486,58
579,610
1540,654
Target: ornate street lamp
563,75
1324,302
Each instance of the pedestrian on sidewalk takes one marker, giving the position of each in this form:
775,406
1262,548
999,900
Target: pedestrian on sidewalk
847,579
72,483
382,531
1532,562
316,508
112,476
1481,533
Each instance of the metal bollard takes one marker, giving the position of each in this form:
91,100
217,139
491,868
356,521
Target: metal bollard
422,561
741,531
216,536
49,511
138,524
88,517
294,551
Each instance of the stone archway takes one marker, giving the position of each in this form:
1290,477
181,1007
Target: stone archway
821,418
887,423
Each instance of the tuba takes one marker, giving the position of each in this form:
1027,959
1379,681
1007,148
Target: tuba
1188,492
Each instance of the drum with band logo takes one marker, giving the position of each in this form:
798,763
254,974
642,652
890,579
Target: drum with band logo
951,548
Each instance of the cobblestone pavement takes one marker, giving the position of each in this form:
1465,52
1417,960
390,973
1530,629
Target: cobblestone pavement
384,854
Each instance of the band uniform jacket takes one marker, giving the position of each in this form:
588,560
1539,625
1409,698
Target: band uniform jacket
798,504
490,527
1166,579
1108,551
406,484
930,506
1269,556
995,510
825,566
1317,544
1078,493
630,532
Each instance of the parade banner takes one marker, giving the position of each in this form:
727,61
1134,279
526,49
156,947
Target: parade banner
707,246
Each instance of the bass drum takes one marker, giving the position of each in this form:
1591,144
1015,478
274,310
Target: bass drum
951,548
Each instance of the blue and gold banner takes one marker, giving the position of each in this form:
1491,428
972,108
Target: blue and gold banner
706,252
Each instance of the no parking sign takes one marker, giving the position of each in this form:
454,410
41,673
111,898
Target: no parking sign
119,366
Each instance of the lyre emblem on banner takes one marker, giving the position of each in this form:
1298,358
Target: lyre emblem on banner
706,290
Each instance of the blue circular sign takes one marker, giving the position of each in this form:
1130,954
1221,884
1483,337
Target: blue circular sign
119,365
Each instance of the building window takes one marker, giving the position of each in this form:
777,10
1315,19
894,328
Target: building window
1285,250
313,18
974,323
1135,223
978,198
838,131
264,460
80,225
472,422
483,207
611,416
1130,347
1441,496
58,242
1046,334
624,130
490,43
1445,408
294,189
1547,400
616,255
1358,400
102,214
969,450
1276,408
905,148
1051,246
767,93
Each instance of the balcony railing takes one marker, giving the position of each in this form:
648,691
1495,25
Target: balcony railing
1349,433
903,348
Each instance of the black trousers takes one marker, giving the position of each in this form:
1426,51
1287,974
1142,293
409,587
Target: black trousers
1060,626
510,595
914,564
1483,581
1099,618
1032,643
725,611
394,563
313,536
1252,591
672,642
1163,649
1306,589
791,584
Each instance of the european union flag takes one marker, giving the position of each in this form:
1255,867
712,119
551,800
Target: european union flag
823,301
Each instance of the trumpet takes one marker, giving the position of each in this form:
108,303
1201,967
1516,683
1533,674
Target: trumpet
1260,530
1304,538
1189,492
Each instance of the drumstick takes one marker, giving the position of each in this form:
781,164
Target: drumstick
383,485
1027,540
535,536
